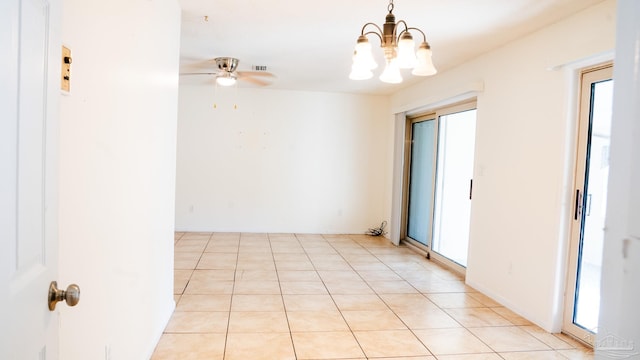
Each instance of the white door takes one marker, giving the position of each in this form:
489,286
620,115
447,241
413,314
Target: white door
29,92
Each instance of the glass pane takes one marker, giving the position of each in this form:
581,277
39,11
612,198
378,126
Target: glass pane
421,180
455,171
594,203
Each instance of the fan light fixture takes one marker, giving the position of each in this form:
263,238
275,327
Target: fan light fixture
226,79
398,48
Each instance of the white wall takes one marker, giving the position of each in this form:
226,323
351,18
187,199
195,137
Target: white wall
524,146
619,314
283,161
117,175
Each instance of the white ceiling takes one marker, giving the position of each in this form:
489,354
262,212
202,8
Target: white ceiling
308,45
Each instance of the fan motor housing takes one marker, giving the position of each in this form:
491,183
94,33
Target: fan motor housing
228,64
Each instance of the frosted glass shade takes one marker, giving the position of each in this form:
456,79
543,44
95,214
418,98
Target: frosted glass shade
363,56
425,65
391,73
406,56
225,80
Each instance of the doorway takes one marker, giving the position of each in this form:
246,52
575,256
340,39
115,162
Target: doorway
440,149
589,203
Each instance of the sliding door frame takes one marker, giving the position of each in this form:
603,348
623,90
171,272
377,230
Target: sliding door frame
433,115
588,76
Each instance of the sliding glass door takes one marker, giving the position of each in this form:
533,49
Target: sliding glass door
439,177
589,205
452,213
421,178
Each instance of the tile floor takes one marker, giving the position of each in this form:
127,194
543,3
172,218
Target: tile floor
290,296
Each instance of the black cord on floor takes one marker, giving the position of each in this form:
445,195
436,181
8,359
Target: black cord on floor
377,231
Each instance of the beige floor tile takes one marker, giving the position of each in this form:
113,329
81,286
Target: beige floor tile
484,299
368,266
373,320
335,257
186,260
451,341
326,345
577,354
217,261
377,275
191,245
204,303
305,321
223,245
331,265
339,275
432,318
303,287
359,302
251,287
454,300
416,273
485,356
258,322
392,287
298,275
319,248
294,265
255,257
286,249
212,275
180,280
348,287
533,355
259,346
514,318
427,357
550,340
256,275
569,340
198,322
225,236
197,235
390,343
190,347
407,301
309,303
403,267
280,256
477,317
441,286
256,265
257,303
508,339
209,287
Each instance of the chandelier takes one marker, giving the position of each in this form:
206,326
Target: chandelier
398,47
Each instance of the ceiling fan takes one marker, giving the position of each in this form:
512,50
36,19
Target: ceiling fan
228,73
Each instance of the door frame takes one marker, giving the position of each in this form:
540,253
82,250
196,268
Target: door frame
587,76
430,115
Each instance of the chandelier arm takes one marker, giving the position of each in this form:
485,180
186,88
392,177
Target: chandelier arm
372,32
395,29
424,37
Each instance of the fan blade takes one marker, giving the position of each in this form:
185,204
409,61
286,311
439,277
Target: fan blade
254,81
215,74
255,73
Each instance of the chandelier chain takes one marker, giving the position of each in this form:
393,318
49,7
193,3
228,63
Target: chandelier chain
390,7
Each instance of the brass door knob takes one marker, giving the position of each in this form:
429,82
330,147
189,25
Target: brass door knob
71,295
